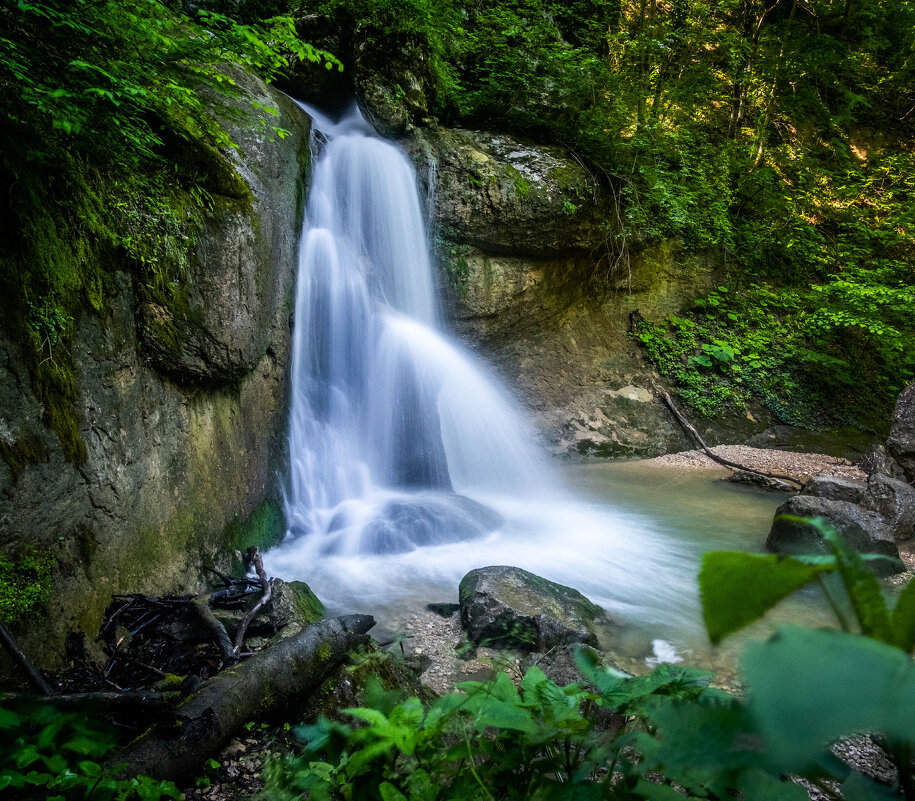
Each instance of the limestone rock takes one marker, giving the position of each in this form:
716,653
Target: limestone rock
507,196
507,607
901,442
895,501
863,530
219,325
174,469
837,488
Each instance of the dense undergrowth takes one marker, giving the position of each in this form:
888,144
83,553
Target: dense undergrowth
665,736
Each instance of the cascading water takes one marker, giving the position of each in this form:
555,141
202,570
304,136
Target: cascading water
409,465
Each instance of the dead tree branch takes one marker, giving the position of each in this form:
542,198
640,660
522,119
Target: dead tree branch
708,451
34,677
255,558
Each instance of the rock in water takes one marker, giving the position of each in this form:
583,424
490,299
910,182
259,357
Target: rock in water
901,443
863,530
507,607
837,488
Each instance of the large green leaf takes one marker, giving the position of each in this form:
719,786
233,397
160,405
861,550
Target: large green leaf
862,587
809,686
738,588
904,618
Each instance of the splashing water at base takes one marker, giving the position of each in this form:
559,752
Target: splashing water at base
409,465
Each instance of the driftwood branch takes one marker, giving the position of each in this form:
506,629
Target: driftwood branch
202,607
272,679
255,558
34,677
708,451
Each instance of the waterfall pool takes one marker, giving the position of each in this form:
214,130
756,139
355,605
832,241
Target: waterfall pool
631,539
410,464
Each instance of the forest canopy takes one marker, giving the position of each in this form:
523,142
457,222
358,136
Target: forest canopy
776,136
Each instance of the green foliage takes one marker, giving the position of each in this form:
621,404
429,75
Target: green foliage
831,353
672,735
46,753
739,588
489,740
25,583
111,126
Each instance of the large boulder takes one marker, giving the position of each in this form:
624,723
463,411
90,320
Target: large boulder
504,195
894,500
837,488
507,607
901,442
863,530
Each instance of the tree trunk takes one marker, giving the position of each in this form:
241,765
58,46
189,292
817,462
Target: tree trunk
276,678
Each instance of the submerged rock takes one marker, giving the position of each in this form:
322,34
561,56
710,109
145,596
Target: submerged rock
863,530
507,607
428,519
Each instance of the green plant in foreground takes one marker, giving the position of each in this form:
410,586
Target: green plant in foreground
56,756
672,735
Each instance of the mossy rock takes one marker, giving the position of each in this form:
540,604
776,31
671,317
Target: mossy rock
307,605
510,608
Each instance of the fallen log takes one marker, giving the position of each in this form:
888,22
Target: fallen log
274,678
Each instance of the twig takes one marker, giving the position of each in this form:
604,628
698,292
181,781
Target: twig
202,606
34,677
138,663
708,452
222,576
254,558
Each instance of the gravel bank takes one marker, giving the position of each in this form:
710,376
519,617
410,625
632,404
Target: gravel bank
790,463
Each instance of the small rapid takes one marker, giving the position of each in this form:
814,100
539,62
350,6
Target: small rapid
409,464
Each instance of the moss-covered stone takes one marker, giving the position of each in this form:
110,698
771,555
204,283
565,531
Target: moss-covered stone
307,604
507,607
263,528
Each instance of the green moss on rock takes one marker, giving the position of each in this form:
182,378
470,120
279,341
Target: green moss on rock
263,528
307,604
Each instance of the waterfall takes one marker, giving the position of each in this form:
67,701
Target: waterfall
408,462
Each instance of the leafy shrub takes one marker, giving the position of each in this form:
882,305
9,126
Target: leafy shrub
25,583
48,754
673,737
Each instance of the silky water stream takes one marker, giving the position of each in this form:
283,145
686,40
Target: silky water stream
409,465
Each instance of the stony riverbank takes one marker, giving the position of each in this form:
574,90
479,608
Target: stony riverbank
801,466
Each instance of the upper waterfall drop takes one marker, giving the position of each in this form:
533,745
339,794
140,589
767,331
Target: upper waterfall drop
389,420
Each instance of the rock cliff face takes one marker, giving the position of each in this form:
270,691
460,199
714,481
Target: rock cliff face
523,233
183,407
